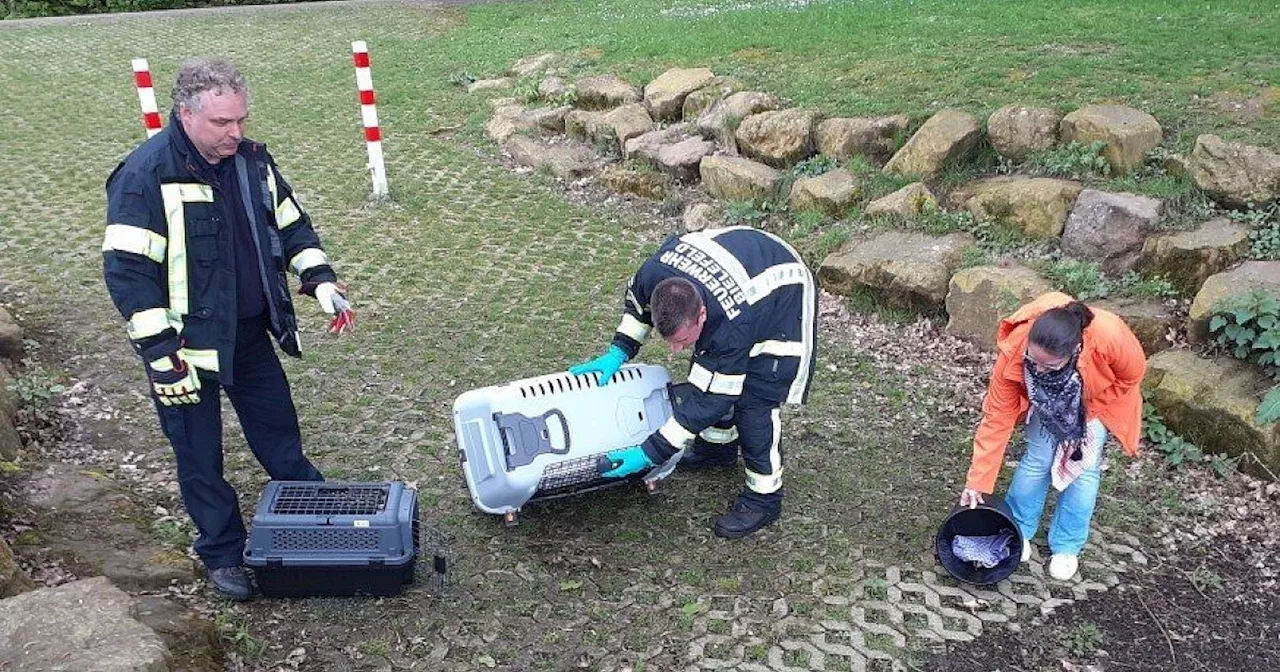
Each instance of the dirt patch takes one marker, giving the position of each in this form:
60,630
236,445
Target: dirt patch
1238,107
1195,612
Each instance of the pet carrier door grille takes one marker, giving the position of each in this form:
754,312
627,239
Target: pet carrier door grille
330,500
311,539
568,475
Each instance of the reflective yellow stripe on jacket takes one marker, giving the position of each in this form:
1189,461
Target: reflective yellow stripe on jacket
135,240
307,259
287,211
175,195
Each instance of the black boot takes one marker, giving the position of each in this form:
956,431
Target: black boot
232,583
703,454
749,513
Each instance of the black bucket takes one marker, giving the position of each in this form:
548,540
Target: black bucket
992,517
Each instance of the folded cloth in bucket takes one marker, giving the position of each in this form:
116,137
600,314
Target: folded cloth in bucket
984,551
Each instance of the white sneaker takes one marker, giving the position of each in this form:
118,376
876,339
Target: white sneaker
1063,566
1026,550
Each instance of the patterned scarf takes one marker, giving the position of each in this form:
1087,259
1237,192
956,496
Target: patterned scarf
1057,398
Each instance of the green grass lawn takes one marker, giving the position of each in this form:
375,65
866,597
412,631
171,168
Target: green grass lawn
476,275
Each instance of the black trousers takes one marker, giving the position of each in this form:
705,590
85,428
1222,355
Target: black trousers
267,415
755,428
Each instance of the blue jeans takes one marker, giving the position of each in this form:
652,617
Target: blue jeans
1069,528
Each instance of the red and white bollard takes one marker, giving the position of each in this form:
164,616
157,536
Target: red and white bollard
369,114
146,96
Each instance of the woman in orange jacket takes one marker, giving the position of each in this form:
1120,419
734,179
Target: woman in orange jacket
1074,374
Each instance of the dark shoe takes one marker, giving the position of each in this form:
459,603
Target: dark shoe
702,455
743,520
232,583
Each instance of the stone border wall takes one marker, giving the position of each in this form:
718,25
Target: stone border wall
694,130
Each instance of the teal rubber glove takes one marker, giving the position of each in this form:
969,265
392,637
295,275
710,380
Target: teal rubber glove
626,461
606,365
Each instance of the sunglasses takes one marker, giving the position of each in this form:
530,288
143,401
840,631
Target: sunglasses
1046,367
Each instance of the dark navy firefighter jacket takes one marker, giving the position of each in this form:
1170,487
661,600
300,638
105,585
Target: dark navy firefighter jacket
169,251
759,336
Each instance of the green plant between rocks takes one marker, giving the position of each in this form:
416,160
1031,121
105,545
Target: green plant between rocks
1264,230
526,91
1074,160
1086,281
1082,279
35,386
1249,328
1176,449
750,213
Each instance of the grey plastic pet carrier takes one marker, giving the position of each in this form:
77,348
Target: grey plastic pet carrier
313,538
541,438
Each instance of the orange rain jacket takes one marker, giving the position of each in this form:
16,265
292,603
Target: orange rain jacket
1111,365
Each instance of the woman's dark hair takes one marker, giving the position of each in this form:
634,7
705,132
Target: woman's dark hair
1060,330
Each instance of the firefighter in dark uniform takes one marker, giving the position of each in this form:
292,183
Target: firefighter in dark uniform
746,304
201,227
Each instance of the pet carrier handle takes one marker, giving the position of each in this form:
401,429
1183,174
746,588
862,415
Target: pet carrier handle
524,438
564,427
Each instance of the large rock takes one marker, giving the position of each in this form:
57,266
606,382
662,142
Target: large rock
722,119
979,297
10,336
647,146
1128,133
874,138
904,203
902,268
683,159
1239,281
1110,228
1235,174
665,95
781,139
512,120
12,579
642,183
699,216
948,137
496,104
605,92
553,88
1187,258
1016,131
566,162
1150,319
1037,205
831,193
532,65
1212,403
99,530
79,626
610,129
10,441
191,639
499,84
8,395
701,100
736,179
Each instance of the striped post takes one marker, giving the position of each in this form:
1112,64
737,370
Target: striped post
369,114
146,96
